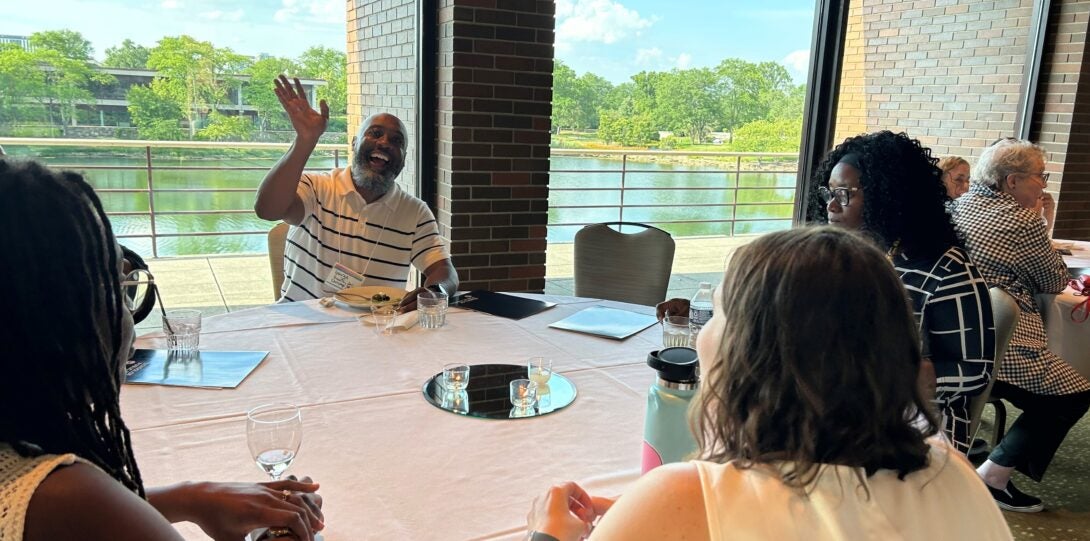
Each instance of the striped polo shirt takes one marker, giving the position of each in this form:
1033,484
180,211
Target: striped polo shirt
379,240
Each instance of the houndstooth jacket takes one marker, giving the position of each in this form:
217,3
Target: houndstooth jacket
1010,246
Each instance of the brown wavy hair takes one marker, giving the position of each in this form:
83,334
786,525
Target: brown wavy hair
817,363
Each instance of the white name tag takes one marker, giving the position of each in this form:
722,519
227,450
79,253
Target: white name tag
341,277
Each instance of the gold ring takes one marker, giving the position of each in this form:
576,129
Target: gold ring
285,494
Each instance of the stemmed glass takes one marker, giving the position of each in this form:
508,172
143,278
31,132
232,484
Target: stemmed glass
274,433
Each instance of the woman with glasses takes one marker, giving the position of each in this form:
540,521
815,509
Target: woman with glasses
67,469
1000,221
808,369
887,186
955,175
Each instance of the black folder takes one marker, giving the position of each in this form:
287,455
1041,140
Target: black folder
500,304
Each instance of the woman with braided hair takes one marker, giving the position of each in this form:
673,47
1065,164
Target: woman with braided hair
887,186
67,469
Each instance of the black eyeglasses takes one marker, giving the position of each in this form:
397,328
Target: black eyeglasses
135,288
842,195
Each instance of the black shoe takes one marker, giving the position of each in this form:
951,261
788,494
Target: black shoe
1012,499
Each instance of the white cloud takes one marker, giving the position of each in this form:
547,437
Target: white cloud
218,15
319,11
170,4
798,61
683,60
602,21
647,57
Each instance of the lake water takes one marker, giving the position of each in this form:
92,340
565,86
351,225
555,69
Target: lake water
187,212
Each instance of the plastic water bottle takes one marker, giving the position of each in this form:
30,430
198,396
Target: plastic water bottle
700,311
666,434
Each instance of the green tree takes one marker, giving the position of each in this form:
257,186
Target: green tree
196,72
628,130
784,135
226,128
259,92
129,54
791,105
22,81
749,90
66,58
67,43
689,101
154,111
331,66
565,95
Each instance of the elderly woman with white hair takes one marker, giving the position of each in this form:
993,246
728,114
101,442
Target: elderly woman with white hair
1000,222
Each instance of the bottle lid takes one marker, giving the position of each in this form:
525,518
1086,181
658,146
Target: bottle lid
677,364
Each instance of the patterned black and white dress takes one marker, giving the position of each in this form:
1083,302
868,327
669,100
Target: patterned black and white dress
1011,247
954,315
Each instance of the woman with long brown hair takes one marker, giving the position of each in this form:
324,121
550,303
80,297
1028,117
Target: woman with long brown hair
808,417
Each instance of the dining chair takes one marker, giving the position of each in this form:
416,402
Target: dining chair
626,267
1005,313
278,237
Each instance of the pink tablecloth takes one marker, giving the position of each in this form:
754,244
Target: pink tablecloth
391,465
1068,338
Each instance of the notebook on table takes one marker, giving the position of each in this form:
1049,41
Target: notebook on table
500,304
604,321
199,368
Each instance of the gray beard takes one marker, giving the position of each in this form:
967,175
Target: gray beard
370,181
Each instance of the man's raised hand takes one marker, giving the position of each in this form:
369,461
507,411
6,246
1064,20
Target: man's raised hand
307,122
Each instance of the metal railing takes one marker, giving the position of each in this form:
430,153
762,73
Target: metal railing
727,164
730,166
149,168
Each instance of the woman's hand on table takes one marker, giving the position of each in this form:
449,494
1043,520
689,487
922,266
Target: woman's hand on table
229,511
566,512
672,307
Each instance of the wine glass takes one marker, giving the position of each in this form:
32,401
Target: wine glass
274,432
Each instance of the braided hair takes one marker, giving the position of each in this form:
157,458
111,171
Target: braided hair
904,196
61,337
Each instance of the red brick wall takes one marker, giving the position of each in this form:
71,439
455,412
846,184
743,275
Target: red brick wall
495,62
1062,116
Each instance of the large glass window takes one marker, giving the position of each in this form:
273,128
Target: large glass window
684,116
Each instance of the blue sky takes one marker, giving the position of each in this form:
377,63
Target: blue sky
613,38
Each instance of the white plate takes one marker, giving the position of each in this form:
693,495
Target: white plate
361,297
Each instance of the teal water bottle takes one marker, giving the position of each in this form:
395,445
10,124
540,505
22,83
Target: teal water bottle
666,434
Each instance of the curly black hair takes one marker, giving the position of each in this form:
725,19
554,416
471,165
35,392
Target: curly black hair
61,340
904,197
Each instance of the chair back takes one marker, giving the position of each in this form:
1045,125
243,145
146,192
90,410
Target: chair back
1005,313
626,267
278,237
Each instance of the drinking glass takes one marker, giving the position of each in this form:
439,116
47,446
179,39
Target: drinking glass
432,306
383,317
539,370
456,376
273,433
675,331
523,393
183,329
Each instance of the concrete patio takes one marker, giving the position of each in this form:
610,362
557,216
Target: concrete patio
220,284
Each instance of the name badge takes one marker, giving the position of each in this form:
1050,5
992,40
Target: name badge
341,277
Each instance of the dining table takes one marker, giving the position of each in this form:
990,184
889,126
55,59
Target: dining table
390,464
1069,335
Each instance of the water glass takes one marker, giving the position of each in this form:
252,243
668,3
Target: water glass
432,306
539,370
523,393
383,318
456,376
675,331
183,329
274,433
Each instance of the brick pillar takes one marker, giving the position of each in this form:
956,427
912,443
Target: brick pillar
1062,119
382,69
495,63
